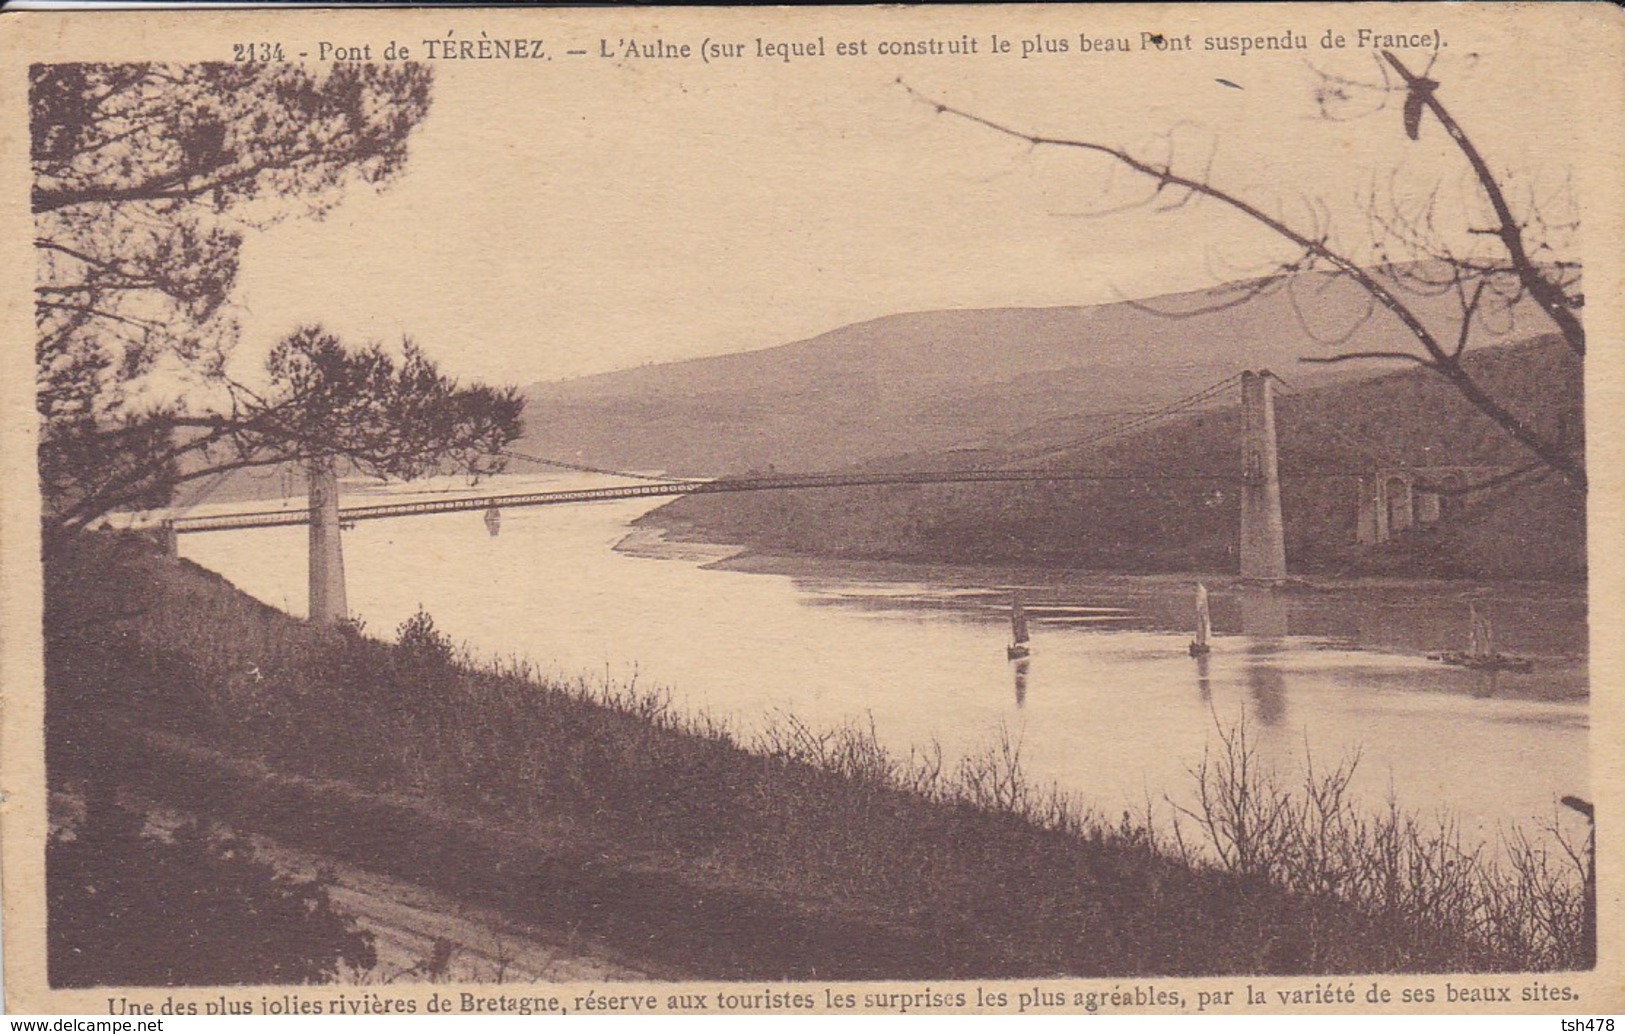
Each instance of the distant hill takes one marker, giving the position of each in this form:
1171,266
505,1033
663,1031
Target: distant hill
929,381
1327,435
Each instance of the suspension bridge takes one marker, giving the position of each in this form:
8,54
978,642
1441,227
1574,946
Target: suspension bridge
351,514
1262,545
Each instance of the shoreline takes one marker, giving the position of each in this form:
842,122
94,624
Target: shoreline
753,560
808,565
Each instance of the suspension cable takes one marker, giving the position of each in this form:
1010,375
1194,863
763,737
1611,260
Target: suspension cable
203,493
1178,406
583,468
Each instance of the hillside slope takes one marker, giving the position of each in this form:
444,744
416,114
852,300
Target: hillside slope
1535,528
929,381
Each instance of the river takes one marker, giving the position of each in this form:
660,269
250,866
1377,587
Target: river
1110,707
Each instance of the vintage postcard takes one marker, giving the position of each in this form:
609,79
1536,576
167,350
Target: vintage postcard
1006,510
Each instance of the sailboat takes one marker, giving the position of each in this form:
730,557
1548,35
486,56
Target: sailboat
493,521
1204,624
1481,654
1480,635
1018,631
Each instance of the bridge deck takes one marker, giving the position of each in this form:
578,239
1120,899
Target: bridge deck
281,518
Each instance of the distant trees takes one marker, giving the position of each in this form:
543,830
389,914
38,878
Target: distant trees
146,179
1516,254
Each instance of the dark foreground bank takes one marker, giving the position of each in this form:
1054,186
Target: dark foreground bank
809,855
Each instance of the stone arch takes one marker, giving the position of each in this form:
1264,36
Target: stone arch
1397,489
1426,505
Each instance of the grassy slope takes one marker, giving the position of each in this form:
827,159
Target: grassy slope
806,856
1410,417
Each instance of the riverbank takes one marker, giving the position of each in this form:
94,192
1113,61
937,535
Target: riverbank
1544,621
803,565
803,853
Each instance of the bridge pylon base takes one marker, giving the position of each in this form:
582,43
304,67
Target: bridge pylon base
328,602
1263,538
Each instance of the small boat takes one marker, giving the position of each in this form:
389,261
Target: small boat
1204,624
493,521
1018,647
1481,654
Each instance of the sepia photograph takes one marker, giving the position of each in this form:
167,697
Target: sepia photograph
1005,509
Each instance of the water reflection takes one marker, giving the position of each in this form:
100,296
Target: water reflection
1264,623
1265,682
1204,684
1263,613
1021,681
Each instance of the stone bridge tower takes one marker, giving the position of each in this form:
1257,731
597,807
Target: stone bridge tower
1263,541
328,604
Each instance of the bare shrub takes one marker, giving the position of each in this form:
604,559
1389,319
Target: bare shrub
1434,901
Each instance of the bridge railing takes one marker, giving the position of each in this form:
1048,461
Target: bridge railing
283,518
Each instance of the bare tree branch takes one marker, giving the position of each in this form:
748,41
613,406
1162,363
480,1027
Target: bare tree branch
1468,309
1346,357
1438,357
1244,293
1423,93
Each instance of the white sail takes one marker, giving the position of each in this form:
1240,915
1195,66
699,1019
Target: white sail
1482,641
1204,623
1018,622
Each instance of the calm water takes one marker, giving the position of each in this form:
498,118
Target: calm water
1109,706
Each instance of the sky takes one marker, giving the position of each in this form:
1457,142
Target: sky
558,221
